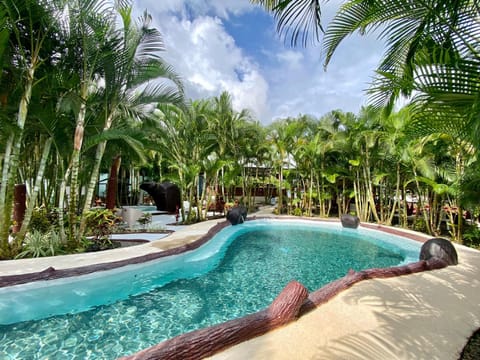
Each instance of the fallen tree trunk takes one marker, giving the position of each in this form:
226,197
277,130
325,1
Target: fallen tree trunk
208,341
330,290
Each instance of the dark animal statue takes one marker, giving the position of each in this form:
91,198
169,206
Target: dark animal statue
166,195
237,215
439,248
350,221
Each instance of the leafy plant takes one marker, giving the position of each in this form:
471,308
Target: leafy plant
471,237
38,244
40,221
420,225
145,219
297,211
101,223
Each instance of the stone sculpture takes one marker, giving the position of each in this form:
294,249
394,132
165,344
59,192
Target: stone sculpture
166,195
237,215
439,248
350,221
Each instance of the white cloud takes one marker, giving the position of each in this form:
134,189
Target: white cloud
194,8
209,61
279,81
291,58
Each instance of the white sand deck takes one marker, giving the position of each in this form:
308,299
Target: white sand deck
428,315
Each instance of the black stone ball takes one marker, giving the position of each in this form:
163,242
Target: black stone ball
439,248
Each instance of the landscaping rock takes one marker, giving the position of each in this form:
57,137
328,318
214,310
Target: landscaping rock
439,248
350,221
237,215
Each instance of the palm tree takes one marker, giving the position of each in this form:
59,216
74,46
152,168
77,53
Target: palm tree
432,47
226,124
89,28
298,20
432,55
28,44
130,70
185,141
281,138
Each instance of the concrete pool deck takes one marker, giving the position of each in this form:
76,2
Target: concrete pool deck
428,315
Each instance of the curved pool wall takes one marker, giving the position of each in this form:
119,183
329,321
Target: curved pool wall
40,299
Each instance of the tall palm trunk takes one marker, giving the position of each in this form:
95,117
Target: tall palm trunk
310,193
369,186
99,152
74,183
420,205
11,158
280,190
321,197
36,188
397,197
112,185
61,204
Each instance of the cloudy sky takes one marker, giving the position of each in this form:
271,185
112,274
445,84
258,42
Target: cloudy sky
231,45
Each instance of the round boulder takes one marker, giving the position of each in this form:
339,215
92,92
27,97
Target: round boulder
237,215
439,248
350,221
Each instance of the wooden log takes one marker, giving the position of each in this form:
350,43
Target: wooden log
208,341
330,290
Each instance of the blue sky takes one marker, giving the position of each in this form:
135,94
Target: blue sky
231,45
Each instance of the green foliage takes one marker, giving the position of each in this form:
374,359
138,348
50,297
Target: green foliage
145,219
471,237
297,211
101,223
419,224
40,221
38,244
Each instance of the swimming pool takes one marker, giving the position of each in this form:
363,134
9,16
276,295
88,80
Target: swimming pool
124,310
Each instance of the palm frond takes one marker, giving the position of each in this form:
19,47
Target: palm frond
155,69
297,20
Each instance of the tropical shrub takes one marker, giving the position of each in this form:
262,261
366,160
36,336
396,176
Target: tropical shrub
145,219
38,244
101,223
420,225
40,221
471,237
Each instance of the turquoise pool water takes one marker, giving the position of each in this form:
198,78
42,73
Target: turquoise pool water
241,270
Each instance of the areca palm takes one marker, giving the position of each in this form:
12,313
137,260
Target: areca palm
89,29
249,143
184,140
329,157
395,165
432,53
299,20
26,43
226,125
130,70
281,138
39,150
